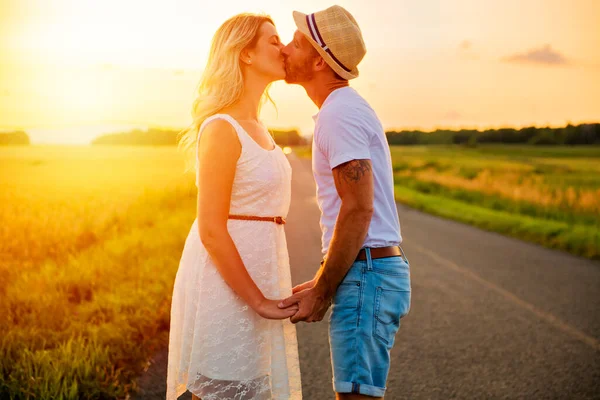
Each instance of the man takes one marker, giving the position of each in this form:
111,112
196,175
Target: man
364,274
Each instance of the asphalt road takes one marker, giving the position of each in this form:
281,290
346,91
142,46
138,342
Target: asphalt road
491,317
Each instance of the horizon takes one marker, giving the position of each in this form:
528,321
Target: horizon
35,132
434,66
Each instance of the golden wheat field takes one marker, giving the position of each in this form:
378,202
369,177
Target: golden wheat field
90,242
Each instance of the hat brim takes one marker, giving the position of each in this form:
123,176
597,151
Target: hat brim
301,24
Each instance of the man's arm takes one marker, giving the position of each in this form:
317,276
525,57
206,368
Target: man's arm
354,184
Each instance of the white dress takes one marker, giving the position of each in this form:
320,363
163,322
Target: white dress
219,348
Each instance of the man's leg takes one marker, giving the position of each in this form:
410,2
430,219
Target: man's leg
364,319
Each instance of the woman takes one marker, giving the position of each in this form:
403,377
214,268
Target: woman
228,338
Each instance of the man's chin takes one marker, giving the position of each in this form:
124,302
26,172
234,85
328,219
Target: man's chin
289,76
290,79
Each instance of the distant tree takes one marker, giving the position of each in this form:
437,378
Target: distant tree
150,137
163,137
472,142
588,134
404,137
528,133
288,138
460,137
544,137
14,138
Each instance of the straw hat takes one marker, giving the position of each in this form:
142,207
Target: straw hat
336,36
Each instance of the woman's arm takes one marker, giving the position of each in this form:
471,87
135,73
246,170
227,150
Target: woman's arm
218,152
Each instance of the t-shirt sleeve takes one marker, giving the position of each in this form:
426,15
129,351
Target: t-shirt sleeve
341,139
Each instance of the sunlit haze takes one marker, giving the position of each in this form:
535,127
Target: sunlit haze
71,70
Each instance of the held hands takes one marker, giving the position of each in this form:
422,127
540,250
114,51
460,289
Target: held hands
268,309
312,301
306,285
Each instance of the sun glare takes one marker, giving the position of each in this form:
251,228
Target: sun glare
85,62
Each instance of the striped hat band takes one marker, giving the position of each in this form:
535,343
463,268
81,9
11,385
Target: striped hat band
316,36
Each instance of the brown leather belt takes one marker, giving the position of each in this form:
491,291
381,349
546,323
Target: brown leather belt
277,220
379,252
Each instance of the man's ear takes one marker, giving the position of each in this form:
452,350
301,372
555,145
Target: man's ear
320,64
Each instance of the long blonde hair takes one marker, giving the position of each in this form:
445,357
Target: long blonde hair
221,83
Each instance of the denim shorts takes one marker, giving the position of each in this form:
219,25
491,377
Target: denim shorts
365,316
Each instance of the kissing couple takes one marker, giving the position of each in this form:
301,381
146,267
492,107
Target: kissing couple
233,313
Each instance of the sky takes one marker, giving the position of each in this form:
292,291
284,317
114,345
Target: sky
73,69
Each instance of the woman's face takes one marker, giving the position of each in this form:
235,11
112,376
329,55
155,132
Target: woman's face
266,58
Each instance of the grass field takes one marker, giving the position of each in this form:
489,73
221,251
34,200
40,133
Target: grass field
547,195
90,242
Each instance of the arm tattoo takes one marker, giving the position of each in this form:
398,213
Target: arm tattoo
353,170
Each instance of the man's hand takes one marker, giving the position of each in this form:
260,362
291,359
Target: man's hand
269,309
313,304
306,285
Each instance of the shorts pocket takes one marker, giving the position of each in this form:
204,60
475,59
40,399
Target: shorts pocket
347,295
390,306
392,266
344,308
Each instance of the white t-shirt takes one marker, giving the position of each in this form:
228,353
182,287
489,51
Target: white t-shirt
347,128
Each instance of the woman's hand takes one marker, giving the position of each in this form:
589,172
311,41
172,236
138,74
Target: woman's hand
306,285
268,309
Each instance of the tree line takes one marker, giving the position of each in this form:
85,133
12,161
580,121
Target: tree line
14,138
569,135
158,137
583,134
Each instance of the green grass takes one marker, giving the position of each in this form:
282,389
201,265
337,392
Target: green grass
582,240
538,151
479,199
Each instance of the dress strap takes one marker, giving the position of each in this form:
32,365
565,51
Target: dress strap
270,135
213,117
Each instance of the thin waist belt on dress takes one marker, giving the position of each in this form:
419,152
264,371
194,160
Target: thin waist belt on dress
277,220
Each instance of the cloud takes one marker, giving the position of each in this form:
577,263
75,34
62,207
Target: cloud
466,50
544,55
465,45
452,115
